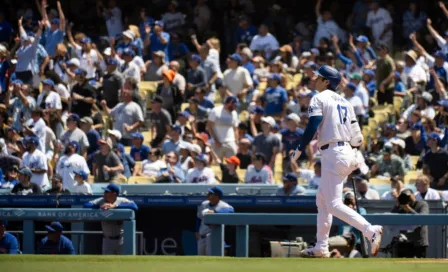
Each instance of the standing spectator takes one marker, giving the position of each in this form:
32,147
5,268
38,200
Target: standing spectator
177,50
8,242
112,83
380,23
435,163
49,100
244,153
173,19
246,60
83,95
89,58
139,151
179,79
222,126
155,67
236,78
196,76
129,69
160,122
106,164
112,230
81,186
385,69
127,115
112,15
264,42
172,97
423,191
413,20
276,97
202,16
267,143
326,26
201,173
358,17
441,41
290,186
56,187
69,163
55,242
20,103
26,187
245,31
93,136
291,137
210,63
36,161
55,32
158,39
175,141
74,134
26,54
259,171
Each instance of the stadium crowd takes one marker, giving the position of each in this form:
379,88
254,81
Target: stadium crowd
159,101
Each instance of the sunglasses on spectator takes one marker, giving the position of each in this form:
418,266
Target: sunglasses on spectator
153,153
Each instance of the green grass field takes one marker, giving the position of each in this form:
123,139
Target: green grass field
32,263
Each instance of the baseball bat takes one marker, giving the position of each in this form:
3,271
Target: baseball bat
362,238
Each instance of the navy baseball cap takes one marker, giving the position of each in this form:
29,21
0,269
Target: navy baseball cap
216,191
81,173
55,21
177,128
159,23
112,188
315,51
81,72
369,72
185,114
26,171
331,74
275,76
232,99
128,52
138,135
352,86
290,177
112,61
75,145
18,81
310,65
391,126
73,117
86,40
193,100
434,136
362,38
32,139
202,158
416,126
196,57
235,57
54,227
48,82
258,110
439,54
444,104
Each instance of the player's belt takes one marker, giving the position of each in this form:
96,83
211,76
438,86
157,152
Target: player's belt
118,237
328,145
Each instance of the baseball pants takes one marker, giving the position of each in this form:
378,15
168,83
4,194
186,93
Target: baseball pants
205,245
337,163
112,246
226,150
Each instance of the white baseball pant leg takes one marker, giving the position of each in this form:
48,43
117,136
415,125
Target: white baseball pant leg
112,246
337,163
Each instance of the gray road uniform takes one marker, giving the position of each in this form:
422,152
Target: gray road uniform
112,230
204,242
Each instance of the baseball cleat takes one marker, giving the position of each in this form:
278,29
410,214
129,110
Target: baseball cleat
314,253
376,240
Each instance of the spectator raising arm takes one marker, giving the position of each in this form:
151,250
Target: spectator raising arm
62,22
440,40
443,8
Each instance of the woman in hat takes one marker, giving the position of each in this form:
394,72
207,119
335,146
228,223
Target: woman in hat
172,97
399,149
155,67
286,56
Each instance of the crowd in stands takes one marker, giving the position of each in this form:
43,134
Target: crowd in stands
159,101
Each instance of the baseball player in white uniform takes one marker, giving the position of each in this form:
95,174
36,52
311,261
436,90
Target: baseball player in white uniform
214,204
334,119
112,230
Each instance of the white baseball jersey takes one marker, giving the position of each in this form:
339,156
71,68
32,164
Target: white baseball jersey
205,175
263,176
67,165
336,113
204,208
83,188
52,101
37,160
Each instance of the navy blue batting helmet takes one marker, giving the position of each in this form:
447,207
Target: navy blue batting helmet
330,74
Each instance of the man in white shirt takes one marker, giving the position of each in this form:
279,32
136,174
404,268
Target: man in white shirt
264,42
326,26
237,78
36,160
112,15
413,72
48,99
423,104
222,126
36,127
423,190
69,163
349,95
201,173
173,19
380,23
128,67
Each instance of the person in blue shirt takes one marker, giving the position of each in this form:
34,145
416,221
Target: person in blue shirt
157,39
126,159
11,178
399,88
8,242
55,242
246,60
55,31
275,96
245,31
441,69
5,64
127,38
93,136
173,173
145,21
204,102
369,79
291,137
175,141
139,151
242,132
6,30
176,48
